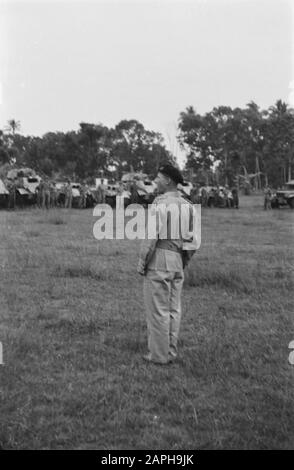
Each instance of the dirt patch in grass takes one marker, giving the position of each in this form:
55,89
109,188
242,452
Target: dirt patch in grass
53,220
32,234
57,220
79,271
75,324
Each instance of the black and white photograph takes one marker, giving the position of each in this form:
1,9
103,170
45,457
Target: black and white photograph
146,228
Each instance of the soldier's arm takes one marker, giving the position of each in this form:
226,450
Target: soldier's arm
148,245
146,253
189,239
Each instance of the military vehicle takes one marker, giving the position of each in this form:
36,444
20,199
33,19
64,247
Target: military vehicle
115,189
285,196
141,189
31,184
146,191
112,190
26,182
76,194
60,189
91,197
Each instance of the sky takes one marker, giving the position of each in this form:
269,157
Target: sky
62,63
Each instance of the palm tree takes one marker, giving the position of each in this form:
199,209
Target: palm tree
13,126
279,109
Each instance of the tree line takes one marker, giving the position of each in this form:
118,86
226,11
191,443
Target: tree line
224,146
247,145
93,150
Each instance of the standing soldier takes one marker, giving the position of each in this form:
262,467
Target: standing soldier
61,195
204,197
99,194
53,195
220,197
40,194
235,196
11,187
19,195
102,191
212,197
194,194
83,196
46,192
226,196
134,192
161,262
68,195
267,198
120,188
87,194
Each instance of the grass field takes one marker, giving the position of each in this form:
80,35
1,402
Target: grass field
73,332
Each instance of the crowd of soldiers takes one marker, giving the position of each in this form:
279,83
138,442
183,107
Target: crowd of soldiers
215,196
49,194
270,198
46,194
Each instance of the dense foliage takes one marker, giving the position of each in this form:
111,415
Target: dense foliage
250,144
91,151
226,145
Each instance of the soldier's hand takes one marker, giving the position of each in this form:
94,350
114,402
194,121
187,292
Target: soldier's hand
141,268
186,257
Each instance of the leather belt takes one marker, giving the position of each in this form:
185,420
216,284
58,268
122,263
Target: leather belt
168,245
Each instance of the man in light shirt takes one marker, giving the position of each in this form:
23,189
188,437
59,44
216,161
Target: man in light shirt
162,261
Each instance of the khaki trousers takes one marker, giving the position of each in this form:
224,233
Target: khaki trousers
162,297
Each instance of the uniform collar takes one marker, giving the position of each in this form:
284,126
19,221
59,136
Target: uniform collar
171,193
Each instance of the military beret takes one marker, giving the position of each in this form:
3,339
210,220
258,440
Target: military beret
172,172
